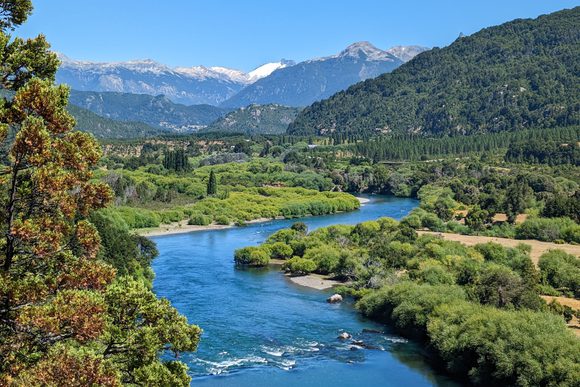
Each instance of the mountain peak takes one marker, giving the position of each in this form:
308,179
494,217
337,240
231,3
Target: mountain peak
366,51
359,49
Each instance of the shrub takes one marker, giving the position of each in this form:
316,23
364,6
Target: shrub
252,256
549,229
284,235
300,266
408,304
280,250
325,256
199,220
499,286
222,220
501,347
394,254
434,273
561,270
301,227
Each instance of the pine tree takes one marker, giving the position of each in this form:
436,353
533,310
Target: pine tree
211,184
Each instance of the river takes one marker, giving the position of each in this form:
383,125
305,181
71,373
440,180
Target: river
260,329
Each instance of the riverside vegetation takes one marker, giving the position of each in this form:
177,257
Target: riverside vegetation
478,308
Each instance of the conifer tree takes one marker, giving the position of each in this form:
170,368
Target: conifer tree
211,184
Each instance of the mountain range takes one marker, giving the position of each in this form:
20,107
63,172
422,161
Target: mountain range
316,79
156,111
282,82
185,85
518,75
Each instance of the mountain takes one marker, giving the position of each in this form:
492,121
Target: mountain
518,75
255,119
312,80
406,53
237,76
157,111
102,127
186,85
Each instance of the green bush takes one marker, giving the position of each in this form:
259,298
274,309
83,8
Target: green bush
280,250
222,220
561,271
299,266
549,229
252,256
325,256
408,304
434,273
199,220
505,348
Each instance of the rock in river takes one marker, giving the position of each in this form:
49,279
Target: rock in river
344,336
334,298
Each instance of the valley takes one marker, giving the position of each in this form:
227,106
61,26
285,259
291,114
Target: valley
356,217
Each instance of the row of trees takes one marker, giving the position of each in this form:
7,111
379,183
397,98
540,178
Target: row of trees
531,146
545,152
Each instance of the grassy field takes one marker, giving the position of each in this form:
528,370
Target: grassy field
538,248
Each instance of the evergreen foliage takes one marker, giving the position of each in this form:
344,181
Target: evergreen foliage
211,184
176,160
518,75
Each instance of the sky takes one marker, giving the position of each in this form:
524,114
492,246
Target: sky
244,34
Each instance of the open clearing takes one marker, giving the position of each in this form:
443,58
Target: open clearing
574,324
538,248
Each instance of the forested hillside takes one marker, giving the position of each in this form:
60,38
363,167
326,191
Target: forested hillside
156,111
518,75
102,127
255,119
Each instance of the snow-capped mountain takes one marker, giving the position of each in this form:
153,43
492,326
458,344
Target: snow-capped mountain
186,85
224,73
282,82
267,69
316,79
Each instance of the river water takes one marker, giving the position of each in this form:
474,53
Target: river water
260,329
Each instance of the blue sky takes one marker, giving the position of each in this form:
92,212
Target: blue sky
246,33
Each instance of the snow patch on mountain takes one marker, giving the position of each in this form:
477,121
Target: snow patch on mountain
406,53
267,69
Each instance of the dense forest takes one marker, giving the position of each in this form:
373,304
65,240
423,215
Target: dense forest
255,119
102,127
521,74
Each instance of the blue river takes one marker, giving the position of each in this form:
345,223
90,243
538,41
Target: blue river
261,329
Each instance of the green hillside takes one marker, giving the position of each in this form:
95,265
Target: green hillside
102,127
157,111
518,75
255,119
